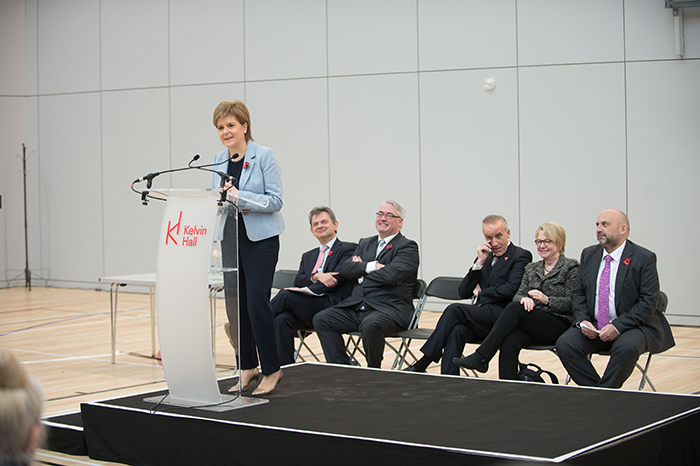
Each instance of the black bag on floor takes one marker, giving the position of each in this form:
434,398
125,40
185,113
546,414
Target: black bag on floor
533,373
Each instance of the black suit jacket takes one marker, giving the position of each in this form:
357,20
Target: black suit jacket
390,289
637,295
339,253
500,283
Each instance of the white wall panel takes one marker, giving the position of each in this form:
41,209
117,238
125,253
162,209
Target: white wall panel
206,41
365,36
469,164
134,142
285,39
552,31
457,34
649,31
12,123
291,117
192,129
374,150
71,186
664,166
69,46
134,48
31,13
572,146
12,39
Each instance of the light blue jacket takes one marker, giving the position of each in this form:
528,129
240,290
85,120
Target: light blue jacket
260,181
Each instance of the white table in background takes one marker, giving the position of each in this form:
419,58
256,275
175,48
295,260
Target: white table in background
149,280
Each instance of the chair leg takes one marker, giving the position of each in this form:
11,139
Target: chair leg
298,351
645,376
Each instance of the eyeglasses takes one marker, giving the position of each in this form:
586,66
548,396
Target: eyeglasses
388,215
546,242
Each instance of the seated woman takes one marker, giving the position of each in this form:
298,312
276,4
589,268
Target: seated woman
540,311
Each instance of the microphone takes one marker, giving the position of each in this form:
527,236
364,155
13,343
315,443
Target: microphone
148,177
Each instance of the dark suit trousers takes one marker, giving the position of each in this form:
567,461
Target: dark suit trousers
458,325
294,311
573,348
331,323
257,261
516,329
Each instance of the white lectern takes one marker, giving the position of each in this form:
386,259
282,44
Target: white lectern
183,265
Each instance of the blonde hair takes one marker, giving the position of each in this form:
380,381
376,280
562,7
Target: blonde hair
239,111
21,402
554,232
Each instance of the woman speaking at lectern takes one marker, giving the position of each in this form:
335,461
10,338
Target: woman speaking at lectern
258,240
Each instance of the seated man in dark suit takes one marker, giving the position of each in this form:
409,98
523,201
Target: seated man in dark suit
616,306
493,279
386,269
318,283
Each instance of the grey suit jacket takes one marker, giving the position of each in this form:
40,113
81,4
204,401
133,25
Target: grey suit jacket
637,295
261,181
390,289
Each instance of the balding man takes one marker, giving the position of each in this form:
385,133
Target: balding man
616,307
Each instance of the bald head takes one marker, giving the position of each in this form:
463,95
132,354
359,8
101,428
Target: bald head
612,229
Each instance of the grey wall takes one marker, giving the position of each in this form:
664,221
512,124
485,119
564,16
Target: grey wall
362,100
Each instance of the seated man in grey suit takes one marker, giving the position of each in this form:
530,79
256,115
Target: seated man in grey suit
385,268
616,306
493,279
318,283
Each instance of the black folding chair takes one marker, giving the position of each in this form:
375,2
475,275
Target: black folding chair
285,279
353,344
440,287
644,370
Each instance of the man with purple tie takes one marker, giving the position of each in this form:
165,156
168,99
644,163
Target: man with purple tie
616,306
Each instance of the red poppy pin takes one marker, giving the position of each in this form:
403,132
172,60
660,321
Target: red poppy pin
246,165
626,261
389,247
330,253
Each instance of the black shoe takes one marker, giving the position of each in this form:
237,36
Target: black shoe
474,361
411,368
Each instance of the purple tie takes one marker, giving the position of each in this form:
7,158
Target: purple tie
321,255
604,294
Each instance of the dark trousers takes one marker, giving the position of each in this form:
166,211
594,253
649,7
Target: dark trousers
294,311
573,348
458,325
256,262
331,323
516,329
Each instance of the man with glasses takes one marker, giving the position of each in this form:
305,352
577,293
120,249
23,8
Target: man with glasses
318,283
493,280
385,268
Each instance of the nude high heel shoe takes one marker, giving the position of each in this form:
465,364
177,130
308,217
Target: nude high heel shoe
255,376
267,391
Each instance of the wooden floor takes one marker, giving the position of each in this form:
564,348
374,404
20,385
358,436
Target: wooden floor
63,338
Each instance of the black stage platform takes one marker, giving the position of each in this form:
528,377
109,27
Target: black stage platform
328,414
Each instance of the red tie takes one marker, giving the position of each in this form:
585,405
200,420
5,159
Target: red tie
321,255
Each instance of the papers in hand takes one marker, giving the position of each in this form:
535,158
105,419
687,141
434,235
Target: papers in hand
304,290
589,328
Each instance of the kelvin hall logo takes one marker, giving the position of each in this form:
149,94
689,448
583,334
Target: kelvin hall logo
189,234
